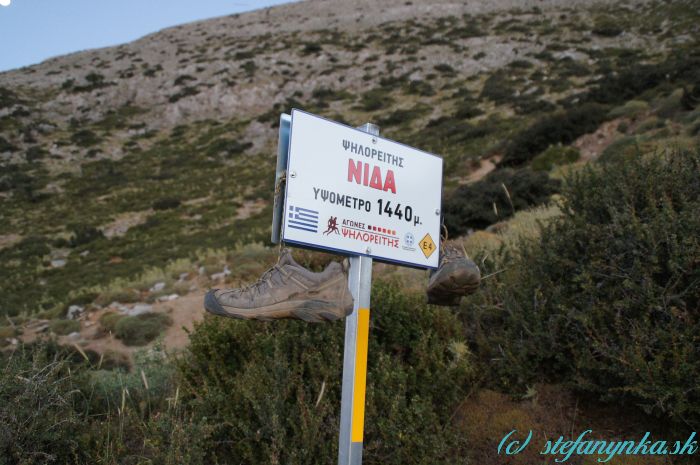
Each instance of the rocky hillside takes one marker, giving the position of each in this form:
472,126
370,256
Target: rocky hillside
124,158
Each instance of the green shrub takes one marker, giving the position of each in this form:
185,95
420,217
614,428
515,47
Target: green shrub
166,203
495,198
37,422
183,79
499,87
563,128
8,98
185,92
84,234
422,88
149,384
669,106
607,298
311,48
141,329
272,391
444,68
6,146
93,81
691,97
621,150
109,321
630,109
619,86
63,327
607,26
34,153
375,99
555,155
84,138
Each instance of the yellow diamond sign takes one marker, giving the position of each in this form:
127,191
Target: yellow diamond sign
427,245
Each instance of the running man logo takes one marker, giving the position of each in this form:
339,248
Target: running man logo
303,218
332,226
427,245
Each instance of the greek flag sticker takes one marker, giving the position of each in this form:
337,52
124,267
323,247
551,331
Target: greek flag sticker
303,218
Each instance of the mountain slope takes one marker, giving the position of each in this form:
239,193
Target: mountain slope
170,140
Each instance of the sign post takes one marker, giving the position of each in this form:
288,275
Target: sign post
352,404
346,190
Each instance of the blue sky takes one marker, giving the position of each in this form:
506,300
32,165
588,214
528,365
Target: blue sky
34,30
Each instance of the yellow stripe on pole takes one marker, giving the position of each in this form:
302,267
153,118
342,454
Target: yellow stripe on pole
358,401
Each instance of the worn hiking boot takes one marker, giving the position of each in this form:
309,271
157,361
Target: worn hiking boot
456,277
287,290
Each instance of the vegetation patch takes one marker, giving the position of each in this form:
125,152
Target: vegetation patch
255,378
623,324
555,155
141,329
559,128
495,198
64,327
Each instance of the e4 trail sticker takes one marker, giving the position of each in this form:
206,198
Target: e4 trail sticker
427,245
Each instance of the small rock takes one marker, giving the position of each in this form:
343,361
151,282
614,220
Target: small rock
120,307
157,287
168,298
58,263
74,312
85,253
202,270
183,276
74,336
14,341
222,275
140,309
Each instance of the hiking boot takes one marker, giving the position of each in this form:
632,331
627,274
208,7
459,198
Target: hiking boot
287,290
456,277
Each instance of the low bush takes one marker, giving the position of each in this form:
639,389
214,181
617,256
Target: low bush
417,87
8,98
84,138
691,97
630,109
186,91
495,198
6,146
109,320
607,298
375,99
37,423
64,327
272,391
84,234
558,128
621,150
607,26
311,48
166,203
499,87
555,155
141,329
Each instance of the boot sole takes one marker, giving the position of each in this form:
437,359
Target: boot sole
311,311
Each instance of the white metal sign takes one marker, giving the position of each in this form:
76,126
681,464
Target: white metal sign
351,192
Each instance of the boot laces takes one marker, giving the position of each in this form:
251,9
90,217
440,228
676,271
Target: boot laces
263,281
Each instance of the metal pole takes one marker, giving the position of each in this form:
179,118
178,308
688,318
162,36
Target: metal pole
352,405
